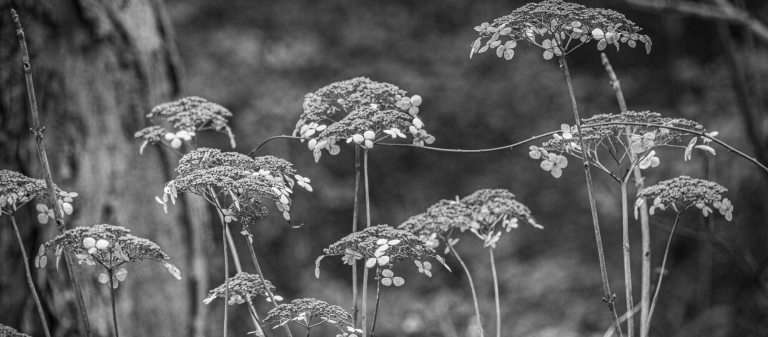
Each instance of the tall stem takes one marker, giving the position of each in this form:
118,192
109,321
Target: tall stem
261,274
31,283
226,275
255,317
83,325
112,297
608,296
376,308
645,228
663,269
367,225
627,258
495,292
355,308
364,305
471,287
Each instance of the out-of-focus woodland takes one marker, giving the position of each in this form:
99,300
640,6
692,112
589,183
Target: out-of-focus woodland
99,67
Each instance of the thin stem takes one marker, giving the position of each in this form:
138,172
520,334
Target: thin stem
611,330
355,308
644,218
226,275
663,269
261,274
608,296
627,258
495,292
256,319
367,190
31,283
471,286
112,297
376,308
308,329
83,325
364,309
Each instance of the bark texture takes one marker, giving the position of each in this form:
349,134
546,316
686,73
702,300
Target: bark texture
99,66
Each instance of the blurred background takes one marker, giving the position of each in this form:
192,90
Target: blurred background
100,66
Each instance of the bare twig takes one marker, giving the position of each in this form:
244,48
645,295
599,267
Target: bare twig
722,11
608,295
84,325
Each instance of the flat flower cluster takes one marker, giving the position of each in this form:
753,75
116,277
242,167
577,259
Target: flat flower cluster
681,193
108,246
495,211
16,190
242,288
309,312
359,111
557,27
381,247
439,222
246,181
185,117
608,132
6,331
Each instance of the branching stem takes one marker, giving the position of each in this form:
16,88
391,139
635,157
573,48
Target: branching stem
84,326
471,287
608,295
30,282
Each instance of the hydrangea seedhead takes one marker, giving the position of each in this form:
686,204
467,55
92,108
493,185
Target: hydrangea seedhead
16,190
105,245
359,111
631,144
557,27
491,207
380,246
309,312
683,192
439,221
246,182
185,118
6,331
242,288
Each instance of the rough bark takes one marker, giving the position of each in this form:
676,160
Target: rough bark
99,67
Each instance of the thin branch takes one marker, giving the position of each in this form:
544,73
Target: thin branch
663,268
723,11
378,298
30,282
471,286
37,129
608,295
495,292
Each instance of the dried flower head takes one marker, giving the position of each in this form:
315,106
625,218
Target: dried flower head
380,246
16,190
491,207
557,27
242,288
626,144
309,312
6,331
108,246
243,181
439,221
186,117
684,192
359,111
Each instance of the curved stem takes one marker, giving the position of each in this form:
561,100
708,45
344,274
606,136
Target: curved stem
30,282
627,258
663,269
471,287
355,308
495,293
608,296
83,326
376,308
112,297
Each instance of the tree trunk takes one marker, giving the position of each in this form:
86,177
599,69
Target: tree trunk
99,66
